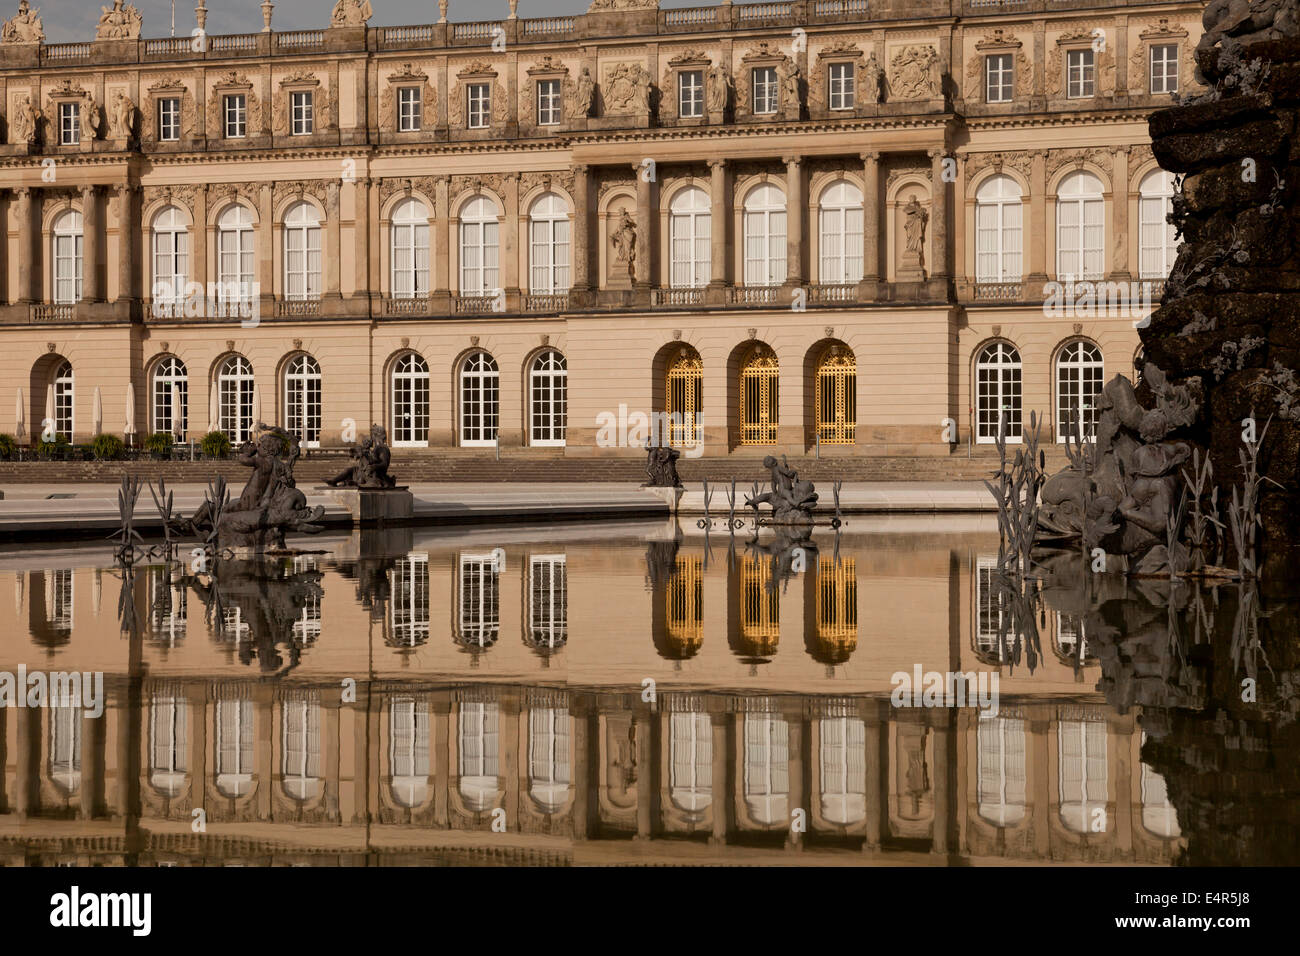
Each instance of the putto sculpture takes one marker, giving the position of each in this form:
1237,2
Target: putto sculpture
370,466
271,503
792,501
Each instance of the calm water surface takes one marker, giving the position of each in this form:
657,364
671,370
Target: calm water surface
639,692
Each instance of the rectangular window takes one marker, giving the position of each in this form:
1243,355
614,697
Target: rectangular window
548,102
236,109
842,93
765,90
479,105
690,93
69,124
169,119
998,78
302,114
1164,68
408,109
1080,74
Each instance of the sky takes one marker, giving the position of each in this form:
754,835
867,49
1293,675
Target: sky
67,21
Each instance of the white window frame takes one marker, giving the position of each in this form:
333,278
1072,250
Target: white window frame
999,233
235,385
690,242
169,119
478,105
549,103
409,109
302,112
999,383
64,385
1155,202
67,240
233,747
1080,227
303,392
69,124
235,115
1162,68
841,86
549,245
235,251
548,399
302,252
408,250
169,376
1080,73
479,384
408,606
690,94
409,395
766,88
840,225
765,236
171,258
999,77
478,600
479,248
548,600
1078,375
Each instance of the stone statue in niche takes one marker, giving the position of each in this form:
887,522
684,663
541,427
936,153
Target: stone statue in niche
625,239
912,263
791,94
869,79
123,121
24,122
370,468
89,119
718,92
583,92
23,27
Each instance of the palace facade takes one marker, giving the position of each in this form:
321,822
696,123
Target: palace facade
782,224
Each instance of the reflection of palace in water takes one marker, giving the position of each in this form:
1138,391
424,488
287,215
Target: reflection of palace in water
489,704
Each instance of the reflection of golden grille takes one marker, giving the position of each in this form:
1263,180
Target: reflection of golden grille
837,602
685,376
760,614
686,603
758,397
837,397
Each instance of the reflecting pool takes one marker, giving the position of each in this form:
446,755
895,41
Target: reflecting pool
603,693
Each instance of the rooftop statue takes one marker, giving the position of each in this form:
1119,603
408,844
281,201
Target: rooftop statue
270,504
24,27
350,13
118,22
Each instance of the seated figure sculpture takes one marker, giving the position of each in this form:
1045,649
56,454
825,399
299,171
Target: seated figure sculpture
270,503
792,500
661,466
370,466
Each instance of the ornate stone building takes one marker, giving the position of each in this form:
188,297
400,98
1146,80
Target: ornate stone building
780,223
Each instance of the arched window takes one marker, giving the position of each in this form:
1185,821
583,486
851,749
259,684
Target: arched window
690,744
235,250
997,230
171,259
841,233
479,755
843,769
997,393
480,400
408,606
1078,380
1157,247
689,239
549,771
235,399
765,252
685,406
548,391
548,226
478,597
1081,755
67,258
767,768
300,747
62,386
478,248
410,250
408,751
1080,227
1000,768
234,747
548,602
301,252
171,397
759,378
410,401
168,739
837,397
302,399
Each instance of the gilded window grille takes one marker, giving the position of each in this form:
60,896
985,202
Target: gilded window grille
837,398
686,604
759,379
837,604
683,391
760,614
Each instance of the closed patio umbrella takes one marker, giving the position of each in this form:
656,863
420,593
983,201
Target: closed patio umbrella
129,430
257,404
178,413
97,411
49,409
214,416
20,417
